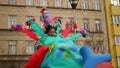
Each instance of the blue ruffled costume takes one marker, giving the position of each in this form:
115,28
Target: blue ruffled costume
64,53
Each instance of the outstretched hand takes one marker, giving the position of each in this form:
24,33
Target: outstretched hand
84,32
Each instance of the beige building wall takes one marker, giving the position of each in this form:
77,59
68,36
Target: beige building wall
21,11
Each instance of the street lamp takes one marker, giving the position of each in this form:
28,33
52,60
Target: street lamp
74,5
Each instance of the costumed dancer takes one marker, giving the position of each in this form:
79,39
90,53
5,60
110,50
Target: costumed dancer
64,53
57,51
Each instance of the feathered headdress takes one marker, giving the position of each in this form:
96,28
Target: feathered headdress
48,20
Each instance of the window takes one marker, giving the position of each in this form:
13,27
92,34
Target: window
29,17
29,47
43,2
118,60
11,47
117,40
86,24
84,4
12,2
96,4
57,3
100,46
11,20
116,19
29,2
88,43
69,5
115,2
98,25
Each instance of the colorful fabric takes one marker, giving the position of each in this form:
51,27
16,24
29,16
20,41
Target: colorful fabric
64,54
37,58
59,51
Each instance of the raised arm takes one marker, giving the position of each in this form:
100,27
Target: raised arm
57,24
28,32
82,33
69,26
38,30
75,37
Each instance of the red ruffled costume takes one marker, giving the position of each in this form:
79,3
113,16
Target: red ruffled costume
37,58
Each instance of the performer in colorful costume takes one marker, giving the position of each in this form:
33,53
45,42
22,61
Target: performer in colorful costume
58,51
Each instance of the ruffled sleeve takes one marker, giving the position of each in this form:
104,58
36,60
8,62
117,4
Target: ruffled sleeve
75,37
37,29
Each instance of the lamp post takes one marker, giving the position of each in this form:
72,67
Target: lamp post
74,5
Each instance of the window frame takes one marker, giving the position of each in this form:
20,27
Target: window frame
98,25
29,47
117,39
100,46
11,51
86,24
12,2
84,4
11,20
116,19
58,3
43,3
118,61
69,5
96,4
115,2
29,2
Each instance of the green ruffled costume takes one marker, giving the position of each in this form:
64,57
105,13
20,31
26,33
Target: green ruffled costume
63,53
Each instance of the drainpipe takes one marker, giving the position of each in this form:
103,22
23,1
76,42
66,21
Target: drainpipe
107,26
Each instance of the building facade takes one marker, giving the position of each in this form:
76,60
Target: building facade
16,47
113,22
